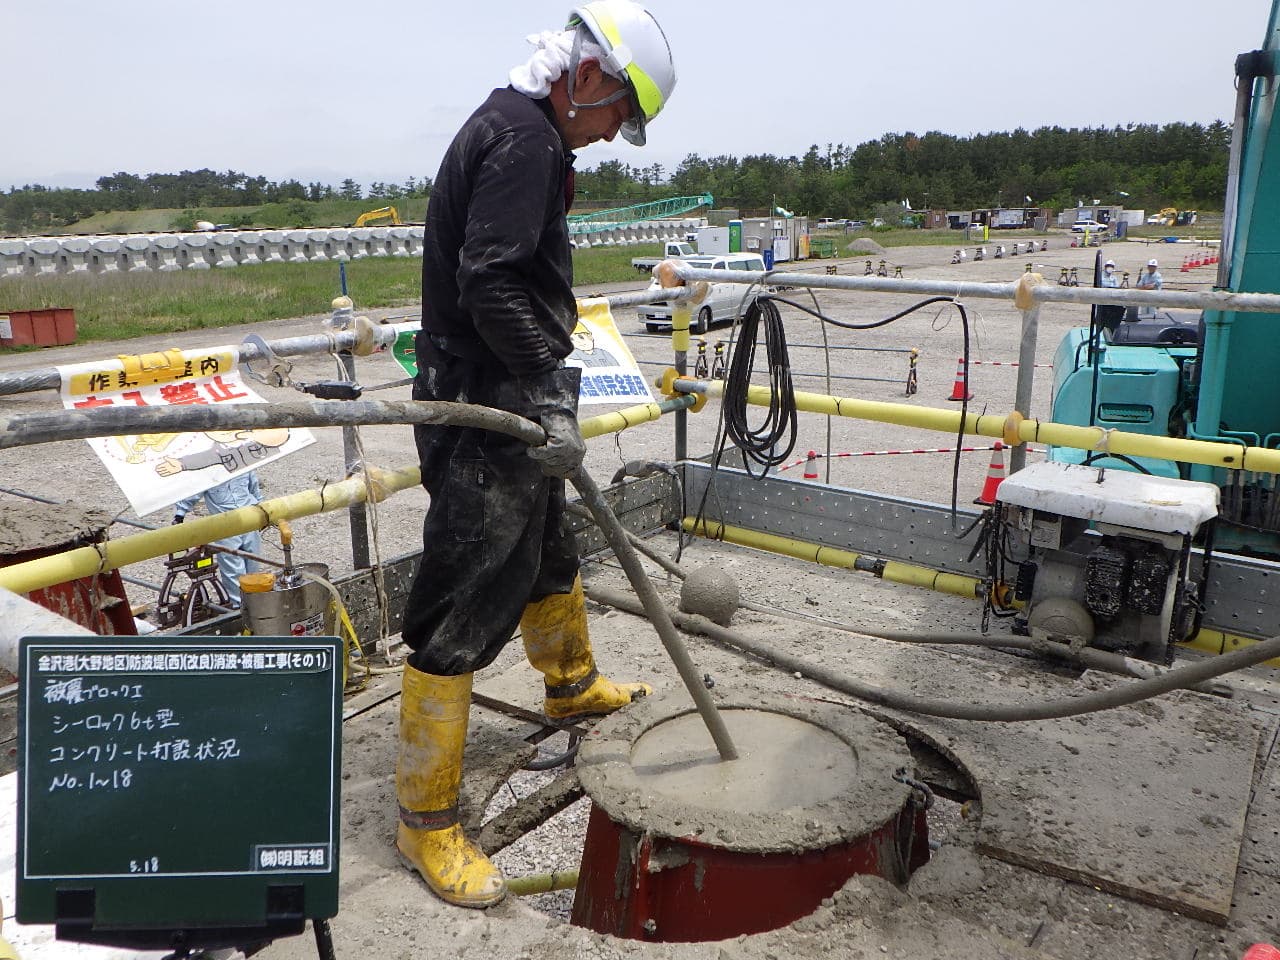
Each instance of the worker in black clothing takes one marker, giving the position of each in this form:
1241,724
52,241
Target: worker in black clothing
497,314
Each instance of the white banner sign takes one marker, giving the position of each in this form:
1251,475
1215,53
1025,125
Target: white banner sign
154,470
609,371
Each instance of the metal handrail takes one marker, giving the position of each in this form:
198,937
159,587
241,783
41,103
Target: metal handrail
383,337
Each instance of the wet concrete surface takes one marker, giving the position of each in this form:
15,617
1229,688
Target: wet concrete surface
31,528
808,775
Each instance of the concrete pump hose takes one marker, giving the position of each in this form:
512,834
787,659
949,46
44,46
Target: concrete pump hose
1128,693
652,607
48,426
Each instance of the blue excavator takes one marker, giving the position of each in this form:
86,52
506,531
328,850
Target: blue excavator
1211,376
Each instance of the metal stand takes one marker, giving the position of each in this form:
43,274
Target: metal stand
202,599
324,939
350,452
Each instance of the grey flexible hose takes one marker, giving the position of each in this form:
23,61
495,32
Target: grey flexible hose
48,426
1087,656
652,607
1177,679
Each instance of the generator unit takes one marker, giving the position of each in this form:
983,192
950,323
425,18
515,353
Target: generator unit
1104,555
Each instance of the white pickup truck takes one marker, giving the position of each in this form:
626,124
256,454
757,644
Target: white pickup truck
672,249
722,301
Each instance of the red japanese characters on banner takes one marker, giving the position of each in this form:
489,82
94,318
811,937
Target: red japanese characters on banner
155,470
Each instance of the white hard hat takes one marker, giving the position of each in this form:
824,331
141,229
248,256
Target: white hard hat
1109,263
637,51
1152,263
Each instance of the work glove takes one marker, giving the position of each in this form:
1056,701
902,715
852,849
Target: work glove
553,400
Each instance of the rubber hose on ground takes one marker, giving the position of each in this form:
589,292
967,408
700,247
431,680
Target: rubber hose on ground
1129,693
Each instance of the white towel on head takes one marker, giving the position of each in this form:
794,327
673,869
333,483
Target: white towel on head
550,59
548,63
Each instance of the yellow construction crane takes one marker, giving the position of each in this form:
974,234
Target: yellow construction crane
379,214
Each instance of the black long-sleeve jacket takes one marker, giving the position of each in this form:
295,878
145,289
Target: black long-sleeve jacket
496,268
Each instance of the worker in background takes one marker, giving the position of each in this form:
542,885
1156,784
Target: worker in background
1150,279
240,491
1108,315
497,313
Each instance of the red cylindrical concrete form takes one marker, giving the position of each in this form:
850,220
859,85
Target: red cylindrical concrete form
673,857
650,888
98,603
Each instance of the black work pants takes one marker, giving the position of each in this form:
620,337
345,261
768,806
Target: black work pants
494,538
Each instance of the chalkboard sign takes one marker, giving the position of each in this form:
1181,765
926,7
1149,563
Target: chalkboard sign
178,786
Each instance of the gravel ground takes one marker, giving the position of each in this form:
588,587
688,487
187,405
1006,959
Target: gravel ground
64,471
387,912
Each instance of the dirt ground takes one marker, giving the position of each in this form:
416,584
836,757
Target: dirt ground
963,904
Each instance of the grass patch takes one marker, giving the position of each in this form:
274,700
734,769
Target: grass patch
122,306
611,264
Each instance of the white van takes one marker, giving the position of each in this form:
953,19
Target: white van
723,299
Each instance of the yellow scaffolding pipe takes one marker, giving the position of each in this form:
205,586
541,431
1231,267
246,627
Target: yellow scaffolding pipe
538,883
1209,641
892,570
113,554
621,420
1014,429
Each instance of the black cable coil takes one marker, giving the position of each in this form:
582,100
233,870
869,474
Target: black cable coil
769,444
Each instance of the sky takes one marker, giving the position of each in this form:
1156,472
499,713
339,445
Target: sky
325,90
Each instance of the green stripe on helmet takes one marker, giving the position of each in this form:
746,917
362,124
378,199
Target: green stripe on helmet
647,93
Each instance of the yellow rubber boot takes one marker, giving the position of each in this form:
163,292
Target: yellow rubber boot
433,731
554,630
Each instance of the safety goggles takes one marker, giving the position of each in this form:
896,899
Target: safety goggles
632,128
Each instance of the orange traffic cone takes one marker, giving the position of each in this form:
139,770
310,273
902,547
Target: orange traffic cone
1186,265
811,466
995,474
957,389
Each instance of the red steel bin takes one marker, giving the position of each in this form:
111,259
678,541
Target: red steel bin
54,327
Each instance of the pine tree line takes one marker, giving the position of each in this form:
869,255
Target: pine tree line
1138,165
32,208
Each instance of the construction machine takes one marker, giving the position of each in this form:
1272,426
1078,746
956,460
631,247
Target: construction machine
1173,217
382,213
1211,375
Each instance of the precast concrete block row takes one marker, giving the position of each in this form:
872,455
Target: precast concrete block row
37,256
630,234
